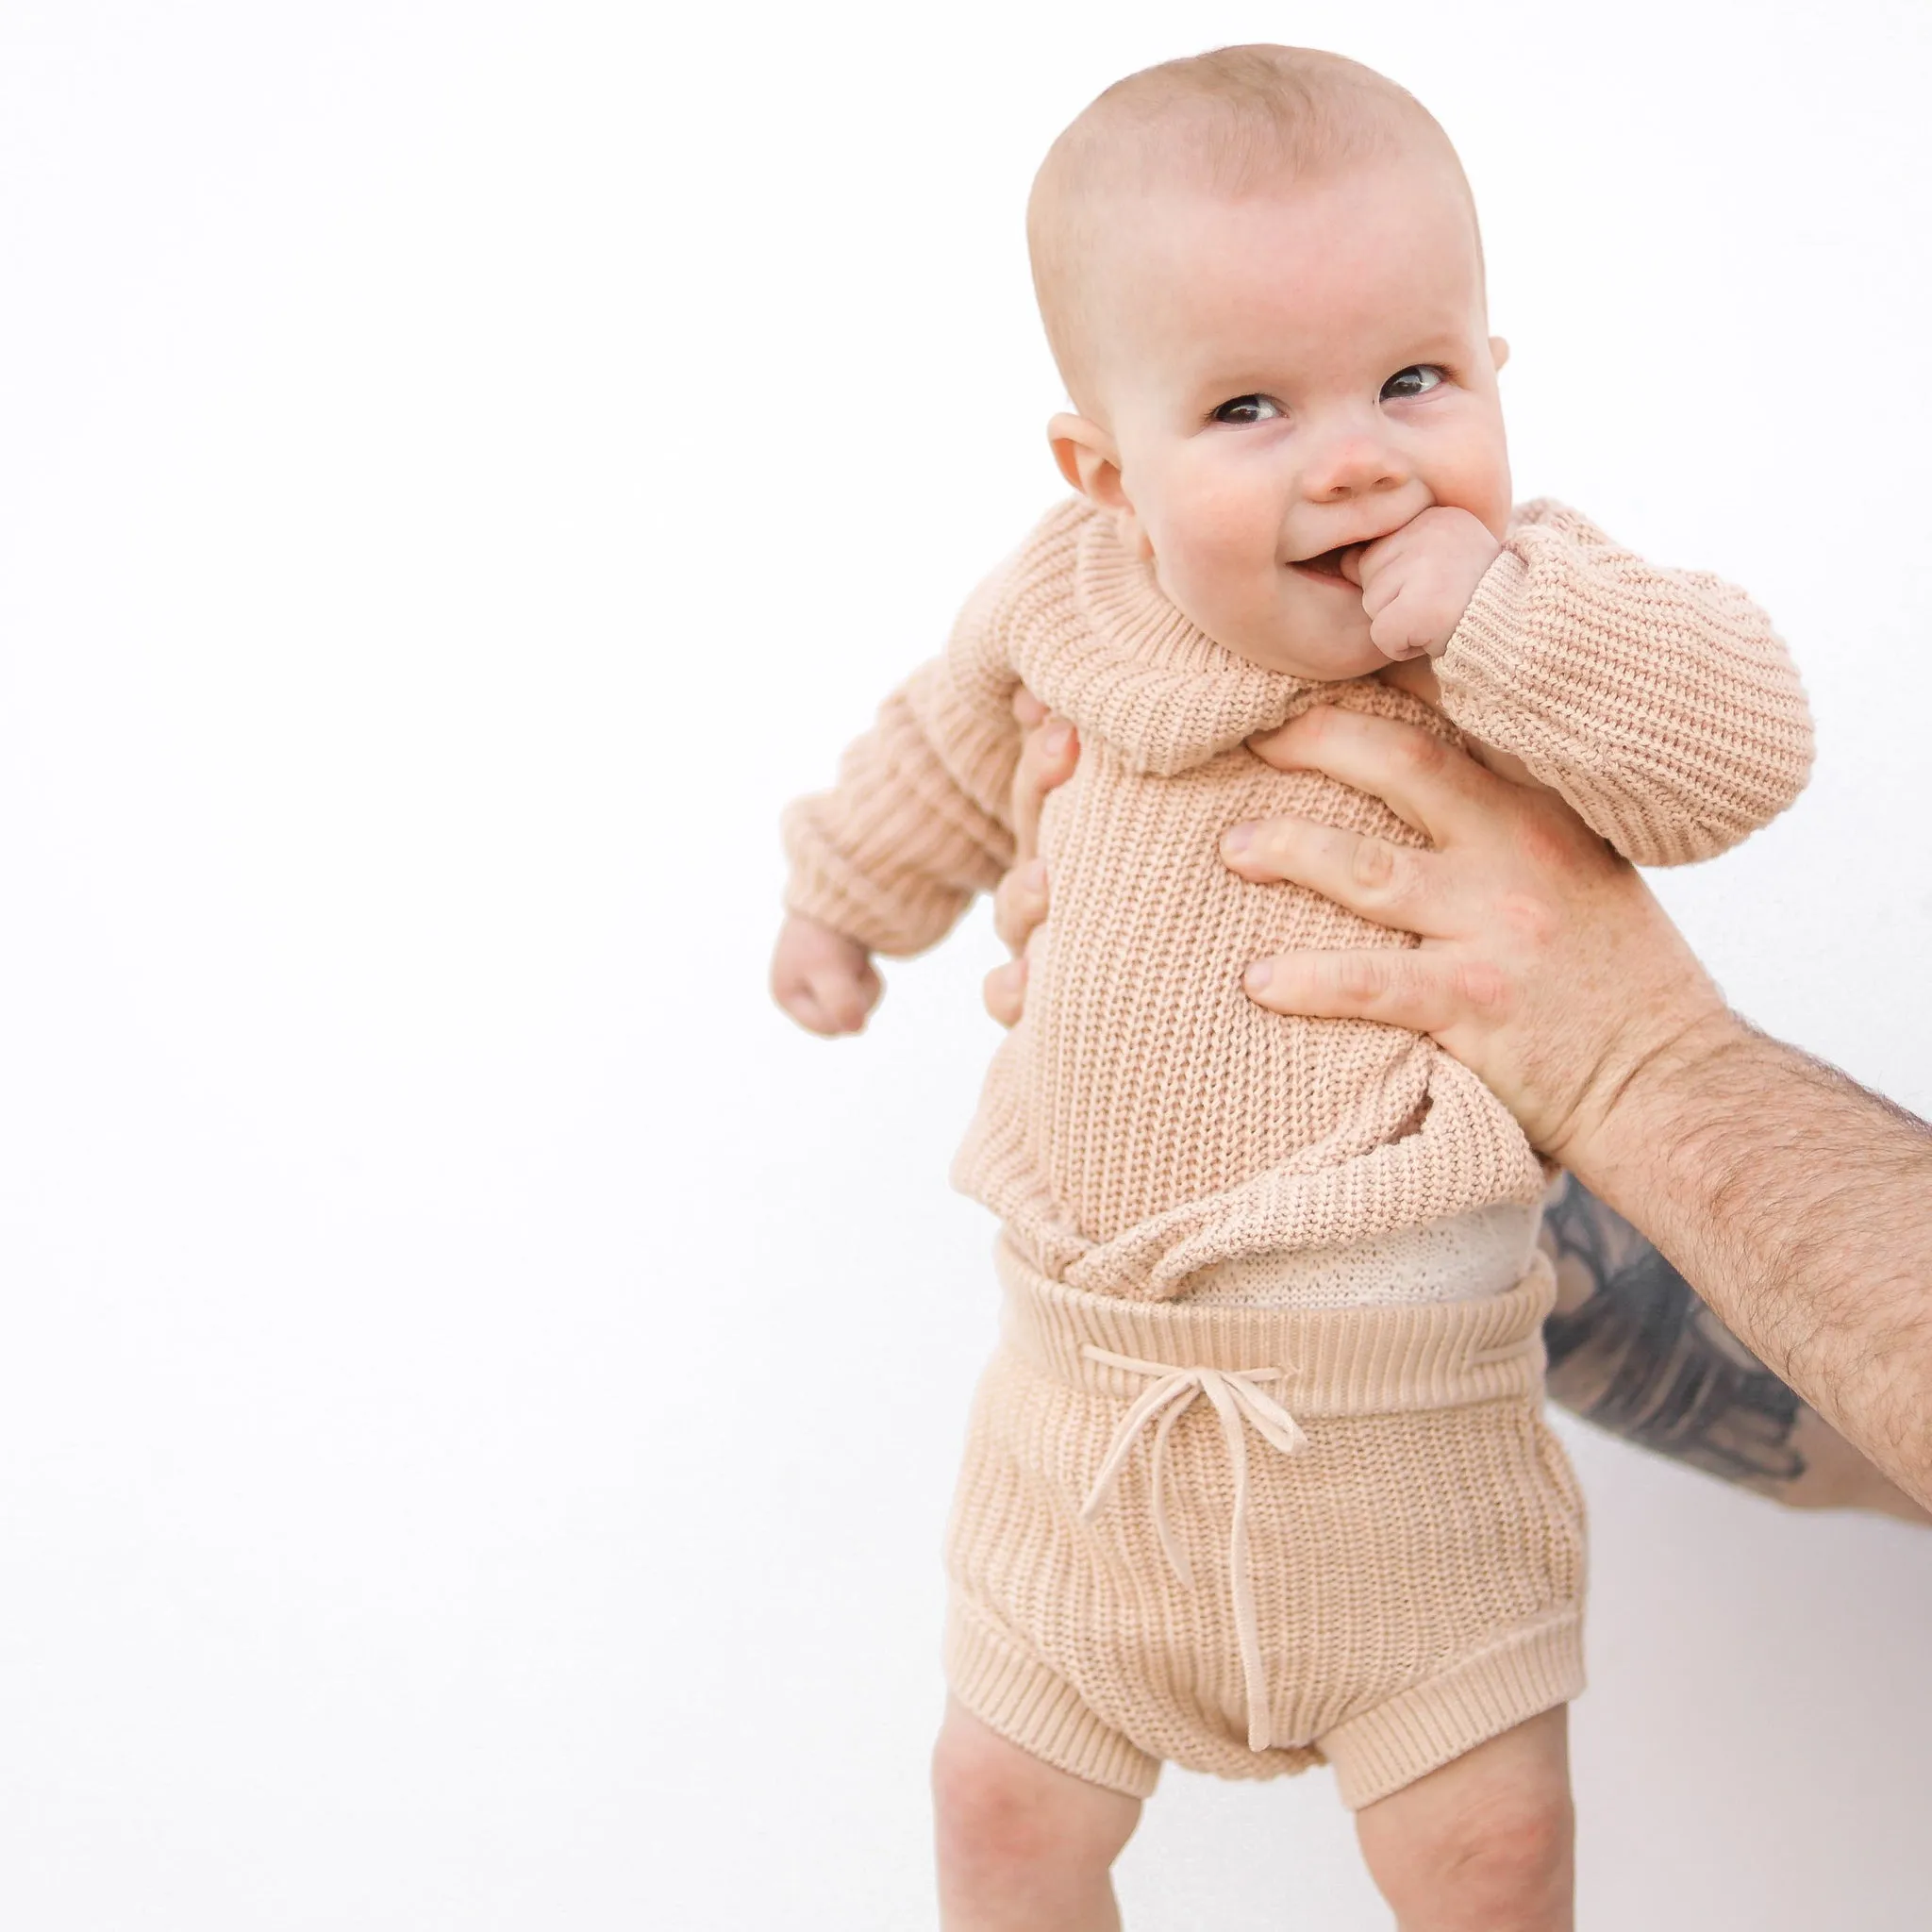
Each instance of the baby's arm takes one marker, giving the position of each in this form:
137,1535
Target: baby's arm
888,859
1659,703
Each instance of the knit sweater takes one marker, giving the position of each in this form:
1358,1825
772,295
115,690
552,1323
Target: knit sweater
1146,1120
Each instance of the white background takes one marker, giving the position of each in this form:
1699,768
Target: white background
480,1393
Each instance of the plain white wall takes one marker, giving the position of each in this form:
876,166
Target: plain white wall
480,1393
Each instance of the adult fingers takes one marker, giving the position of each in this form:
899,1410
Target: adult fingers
1393,885
1005,992
1426,992
1432,786
1048,757
1019,903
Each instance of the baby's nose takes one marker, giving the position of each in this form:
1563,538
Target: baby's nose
1352,465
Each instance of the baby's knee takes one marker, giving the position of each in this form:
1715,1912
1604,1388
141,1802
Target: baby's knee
1478,1852
980,1814
1506,1850
999,1813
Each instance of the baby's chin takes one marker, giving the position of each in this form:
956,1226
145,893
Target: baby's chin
1328,659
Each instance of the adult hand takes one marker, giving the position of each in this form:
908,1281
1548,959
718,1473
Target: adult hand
1048,754
1546,964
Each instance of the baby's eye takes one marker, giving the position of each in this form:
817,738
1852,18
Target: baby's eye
1248,410
1418,379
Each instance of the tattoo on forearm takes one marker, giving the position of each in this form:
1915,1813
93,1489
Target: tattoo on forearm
1641,1356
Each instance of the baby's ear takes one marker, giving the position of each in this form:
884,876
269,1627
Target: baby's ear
1091,462
1087,459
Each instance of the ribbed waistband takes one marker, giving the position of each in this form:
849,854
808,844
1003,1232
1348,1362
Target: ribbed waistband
1373,1360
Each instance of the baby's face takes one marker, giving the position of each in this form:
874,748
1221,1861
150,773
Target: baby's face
1290,374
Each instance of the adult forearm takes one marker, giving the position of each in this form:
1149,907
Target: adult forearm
1801,1206
1635,1352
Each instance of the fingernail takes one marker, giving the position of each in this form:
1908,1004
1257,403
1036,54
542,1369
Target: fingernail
1258,976
1056,739
1237,839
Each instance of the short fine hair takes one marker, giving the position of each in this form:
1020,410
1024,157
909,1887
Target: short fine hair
1234,123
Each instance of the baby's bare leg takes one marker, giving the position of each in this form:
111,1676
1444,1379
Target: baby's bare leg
1485,1843
1023,1847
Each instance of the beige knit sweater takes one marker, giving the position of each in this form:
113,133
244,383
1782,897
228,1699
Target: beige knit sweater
1145,1121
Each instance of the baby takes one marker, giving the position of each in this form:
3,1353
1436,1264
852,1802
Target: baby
1258,1477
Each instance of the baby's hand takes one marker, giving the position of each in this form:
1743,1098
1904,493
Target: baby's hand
825,981
1417,582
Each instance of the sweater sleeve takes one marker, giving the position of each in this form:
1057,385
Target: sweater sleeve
1658,702
919,820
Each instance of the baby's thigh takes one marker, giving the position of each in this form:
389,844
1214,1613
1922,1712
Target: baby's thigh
1485,1842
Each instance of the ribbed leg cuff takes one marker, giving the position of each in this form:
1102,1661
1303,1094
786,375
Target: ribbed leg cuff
1028,1704
1431,1725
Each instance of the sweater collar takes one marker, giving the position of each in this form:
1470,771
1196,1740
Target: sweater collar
1117,656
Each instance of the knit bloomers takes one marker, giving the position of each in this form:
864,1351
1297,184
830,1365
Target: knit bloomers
1252,1539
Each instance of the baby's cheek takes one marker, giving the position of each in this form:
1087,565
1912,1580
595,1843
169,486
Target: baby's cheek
1221,536
1474,474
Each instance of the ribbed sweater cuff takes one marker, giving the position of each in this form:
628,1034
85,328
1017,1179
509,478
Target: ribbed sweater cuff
881,922
1483,662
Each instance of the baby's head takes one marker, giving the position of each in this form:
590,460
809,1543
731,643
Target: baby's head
1260,274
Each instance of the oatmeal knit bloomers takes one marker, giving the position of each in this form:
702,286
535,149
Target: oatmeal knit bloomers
1246,1487
1250,1539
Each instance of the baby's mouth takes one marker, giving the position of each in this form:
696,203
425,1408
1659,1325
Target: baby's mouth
1328,564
